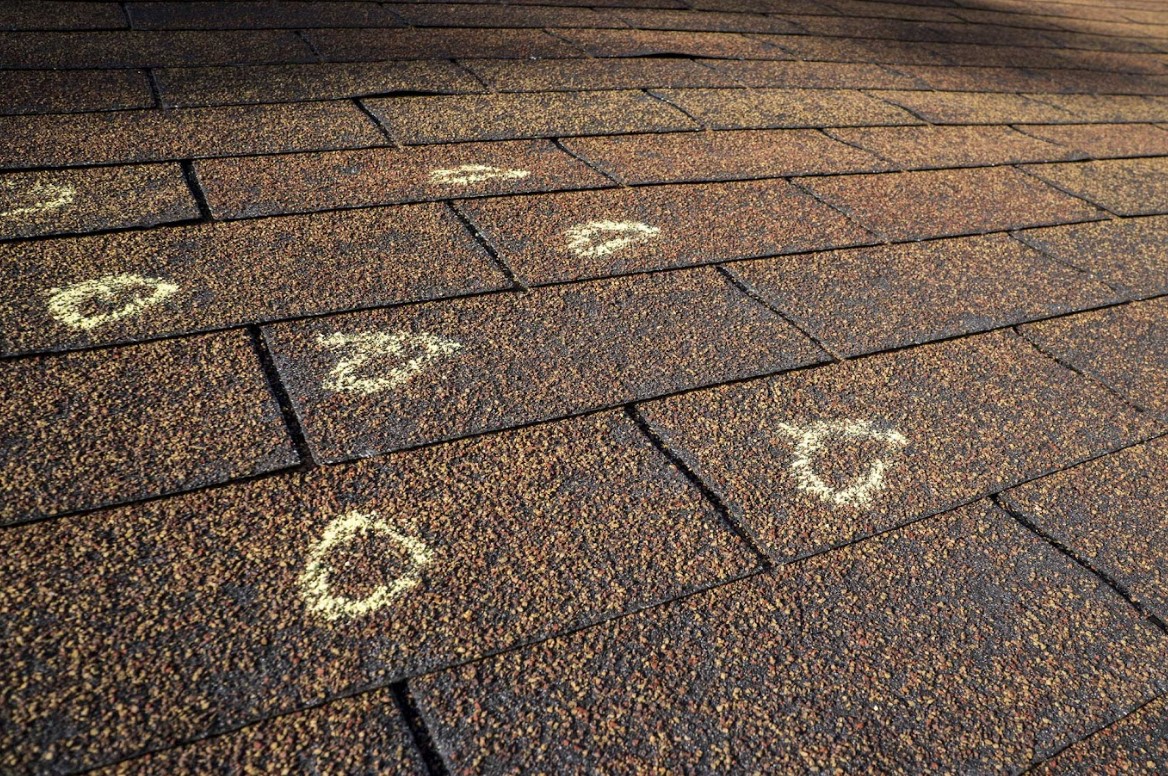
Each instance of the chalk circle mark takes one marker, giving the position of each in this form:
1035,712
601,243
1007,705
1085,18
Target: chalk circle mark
475,173
79,305
48,196
585,239
809,441
362,348
315,580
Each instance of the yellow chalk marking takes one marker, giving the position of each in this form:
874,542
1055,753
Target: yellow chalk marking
809,441
49,196
315,584
475,173
363,347
582,237
68,305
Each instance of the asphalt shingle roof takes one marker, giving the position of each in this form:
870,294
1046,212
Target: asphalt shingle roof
583,386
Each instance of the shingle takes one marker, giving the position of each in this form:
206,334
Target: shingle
241,187
502,16
1125,186
196,86
214,275
976,108
577,74
719,156
86,430
375,382
1104,140
929,650
703,21
953,146
814,48
1119,528
822,457
56,201
258,15
255,600
30,15
762,6
774,108
937,203
74,91
1136,742
149,49
871,299
365,734
639,43
371,45
1102,108
553,237
813,75
534,114
154,135
1123,347
1129,254
925,10
990,79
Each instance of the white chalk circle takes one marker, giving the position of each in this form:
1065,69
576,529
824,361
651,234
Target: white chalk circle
122,296
47,196
810,439
364,347
475,173
315,580
584,239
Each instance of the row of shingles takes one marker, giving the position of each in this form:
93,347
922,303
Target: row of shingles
493,551
731,436
943,384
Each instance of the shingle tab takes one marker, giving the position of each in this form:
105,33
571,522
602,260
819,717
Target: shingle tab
820,458
86,430
977,108
720,156
199,86
535,114
501,16
640,43
74,91
1123,347
149,49
267,14
1137,741
871,299
82,200
555,237
1119,529
1103,140
953,146
578,74
262,598
813,75
372,45
62,15
1128,187
241,187
1129,254
154,135
929,650
382,381
913,205
365,734
774,108
226,274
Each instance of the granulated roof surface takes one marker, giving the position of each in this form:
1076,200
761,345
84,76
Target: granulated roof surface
617,386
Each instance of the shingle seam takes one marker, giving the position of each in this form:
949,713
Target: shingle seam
690,470
1097,731
1007,505
191,176
383,128
1059,187
746,288
144,338
841,208
596,168
652,93
424,742
280,393
311,46
155,91
1020,236
468,223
